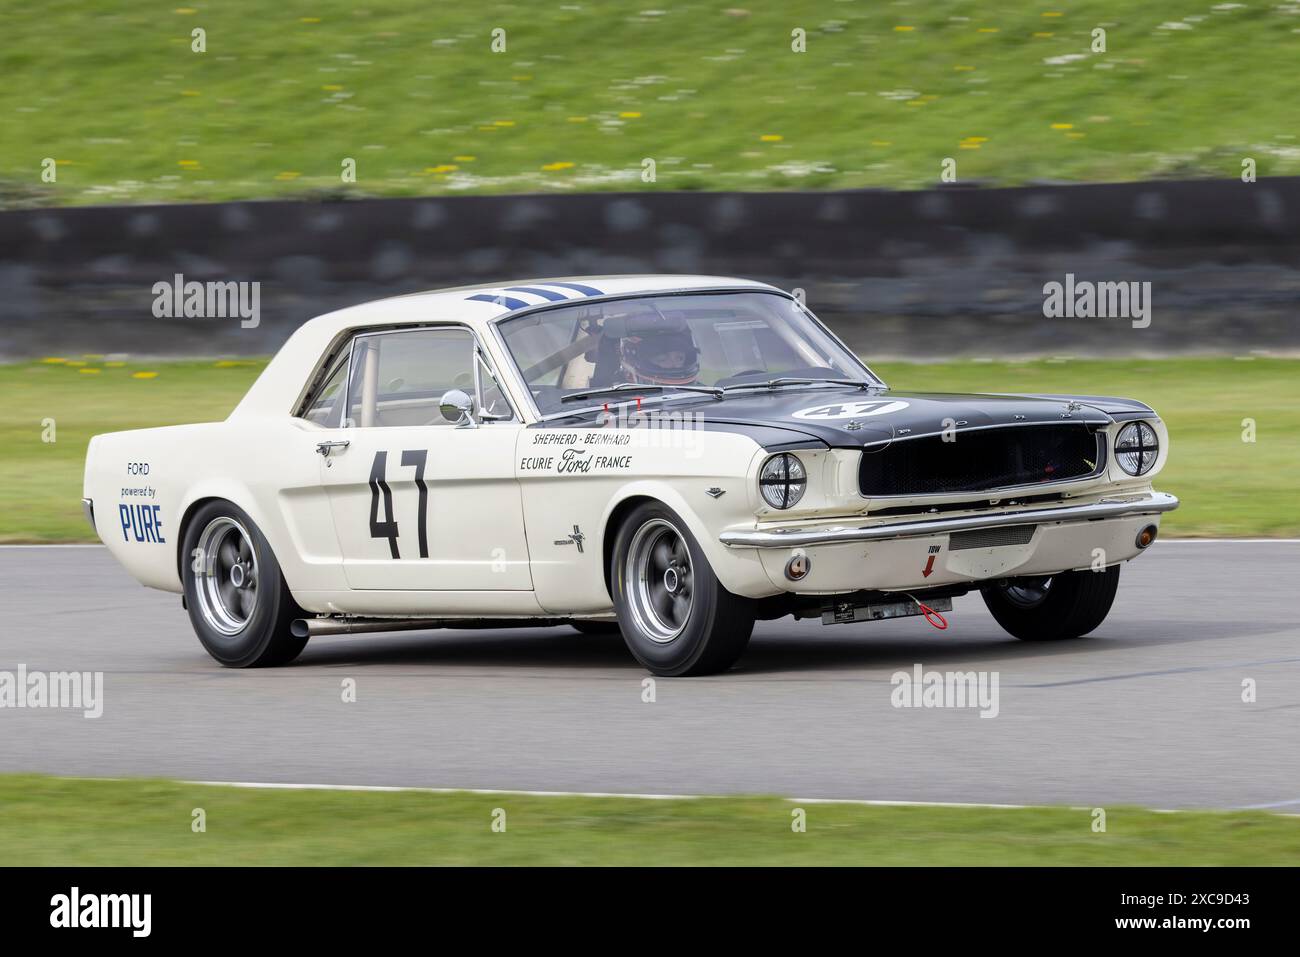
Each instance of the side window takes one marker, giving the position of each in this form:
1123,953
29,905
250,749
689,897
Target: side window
398,378
326,406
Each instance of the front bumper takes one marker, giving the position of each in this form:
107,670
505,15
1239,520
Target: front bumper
927,553
1149,503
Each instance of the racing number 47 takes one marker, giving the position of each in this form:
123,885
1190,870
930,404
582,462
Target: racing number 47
387,528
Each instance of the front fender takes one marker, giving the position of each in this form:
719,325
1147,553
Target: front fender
739,570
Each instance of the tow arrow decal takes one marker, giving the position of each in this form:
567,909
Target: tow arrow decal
929,564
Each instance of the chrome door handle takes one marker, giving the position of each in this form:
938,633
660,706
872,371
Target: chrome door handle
324,448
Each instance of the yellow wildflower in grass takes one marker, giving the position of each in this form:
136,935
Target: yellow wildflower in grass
89,371
144,375
332,87
630,115
188,164
771,137
522,78
503,122
904,29
577,119
309,19
1052,13
553,167
442,168
287,175
464,159
1062,126
54,360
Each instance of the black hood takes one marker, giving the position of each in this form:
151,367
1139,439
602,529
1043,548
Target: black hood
851,418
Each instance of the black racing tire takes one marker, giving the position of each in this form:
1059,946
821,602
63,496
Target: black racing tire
242,618
595,628
1055,608
677,623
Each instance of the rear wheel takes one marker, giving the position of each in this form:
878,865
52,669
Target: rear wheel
238,602
1055,607
675,616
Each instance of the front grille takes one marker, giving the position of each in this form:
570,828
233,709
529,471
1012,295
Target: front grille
982,459
991,537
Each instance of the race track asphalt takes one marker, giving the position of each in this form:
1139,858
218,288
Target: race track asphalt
1147,711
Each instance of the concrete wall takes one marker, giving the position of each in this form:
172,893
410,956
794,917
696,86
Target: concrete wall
957,271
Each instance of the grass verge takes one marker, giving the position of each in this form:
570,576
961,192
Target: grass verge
1228,487
68,822
580,96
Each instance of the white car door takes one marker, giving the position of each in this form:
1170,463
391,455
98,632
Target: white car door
418,502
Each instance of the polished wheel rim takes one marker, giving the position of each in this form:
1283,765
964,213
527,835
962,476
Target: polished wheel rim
1028,592
227,576
659,568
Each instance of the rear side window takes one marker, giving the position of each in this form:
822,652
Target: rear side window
326,406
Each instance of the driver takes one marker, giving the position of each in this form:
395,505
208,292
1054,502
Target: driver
666,356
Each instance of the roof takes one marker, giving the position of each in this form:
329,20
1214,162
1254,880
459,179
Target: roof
489,301
281,382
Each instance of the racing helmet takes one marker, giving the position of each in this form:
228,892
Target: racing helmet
666,355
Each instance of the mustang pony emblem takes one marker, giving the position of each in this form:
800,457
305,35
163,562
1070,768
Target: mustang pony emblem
574,538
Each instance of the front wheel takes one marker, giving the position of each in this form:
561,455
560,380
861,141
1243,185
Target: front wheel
676,617
238,602
1052,608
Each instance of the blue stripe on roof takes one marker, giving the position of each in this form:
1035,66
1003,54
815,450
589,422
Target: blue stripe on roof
510,302
578,287
550,294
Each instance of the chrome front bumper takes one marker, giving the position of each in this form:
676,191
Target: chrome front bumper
1148,503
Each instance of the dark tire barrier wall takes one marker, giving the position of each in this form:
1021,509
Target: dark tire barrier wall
957,271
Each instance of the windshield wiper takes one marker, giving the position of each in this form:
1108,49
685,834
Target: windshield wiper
634,387
795,380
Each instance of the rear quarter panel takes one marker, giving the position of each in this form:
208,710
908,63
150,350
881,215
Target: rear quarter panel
145,482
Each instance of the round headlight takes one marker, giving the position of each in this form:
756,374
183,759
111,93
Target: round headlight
782,480
1136,448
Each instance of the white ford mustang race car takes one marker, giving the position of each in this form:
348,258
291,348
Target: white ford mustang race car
671,457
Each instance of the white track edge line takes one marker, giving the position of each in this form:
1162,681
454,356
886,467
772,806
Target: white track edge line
514,792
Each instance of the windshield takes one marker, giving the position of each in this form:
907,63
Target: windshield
662,342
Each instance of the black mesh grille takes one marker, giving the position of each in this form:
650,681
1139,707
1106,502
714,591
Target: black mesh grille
981,459
991,537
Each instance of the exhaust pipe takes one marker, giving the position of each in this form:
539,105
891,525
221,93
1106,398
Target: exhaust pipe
315,627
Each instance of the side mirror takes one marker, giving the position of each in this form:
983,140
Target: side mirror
459,408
